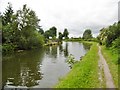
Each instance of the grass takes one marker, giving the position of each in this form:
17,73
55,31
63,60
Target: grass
111,58
73,40
84,73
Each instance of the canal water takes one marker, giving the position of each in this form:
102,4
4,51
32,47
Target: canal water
41,68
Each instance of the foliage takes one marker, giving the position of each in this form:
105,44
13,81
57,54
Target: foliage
71,60
65,33
41,31
7,15
87,35
116,44
0,21
108,35
47,34
7,20
52,32
20,30
8,48
60,37
0,30
28,25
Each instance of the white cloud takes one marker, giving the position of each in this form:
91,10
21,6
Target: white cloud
76,15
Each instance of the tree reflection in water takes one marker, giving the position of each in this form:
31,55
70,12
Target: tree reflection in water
51,51
66,50
87,46
23,69
60,49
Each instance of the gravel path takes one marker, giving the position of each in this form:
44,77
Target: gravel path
107,74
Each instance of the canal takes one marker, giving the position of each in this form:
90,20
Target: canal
41,68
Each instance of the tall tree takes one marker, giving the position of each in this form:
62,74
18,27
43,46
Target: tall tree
60,36
65,33
20,30
7,15
47,34
87,34
7,20
109,34
28,26
53,31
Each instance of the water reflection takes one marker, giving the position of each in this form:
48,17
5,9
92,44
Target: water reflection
66,50
22,69
40,68
86,46
54,51
51,51
60,49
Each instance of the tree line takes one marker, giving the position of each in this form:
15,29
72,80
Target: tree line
21,30
52,33
110,37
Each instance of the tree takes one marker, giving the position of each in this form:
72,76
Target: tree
65,33
87,34
53,32
109,34
41,31
7,15
28,26
47,34
7,20
20,30
60,36
110,37
9,28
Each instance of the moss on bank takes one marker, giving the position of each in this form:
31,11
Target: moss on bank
84,74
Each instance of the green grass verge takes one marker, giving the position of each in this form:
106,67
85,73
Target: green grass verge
111,59
84,73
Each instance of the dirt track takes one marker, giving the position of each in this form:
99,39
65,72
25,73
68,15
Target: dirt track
107,74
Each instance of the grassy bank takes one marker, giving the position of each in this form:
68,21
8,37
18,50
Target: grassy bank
73,40
84,74
112,59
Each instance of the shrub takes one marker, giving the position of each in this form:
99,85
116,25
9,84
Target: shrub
8,48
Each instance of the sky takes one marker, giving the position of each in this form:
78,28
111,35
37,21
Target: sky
75,15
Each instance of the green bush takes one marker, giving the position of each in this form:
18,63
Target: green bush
8,48
19,33
116,48
34,41
37,41
116,43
